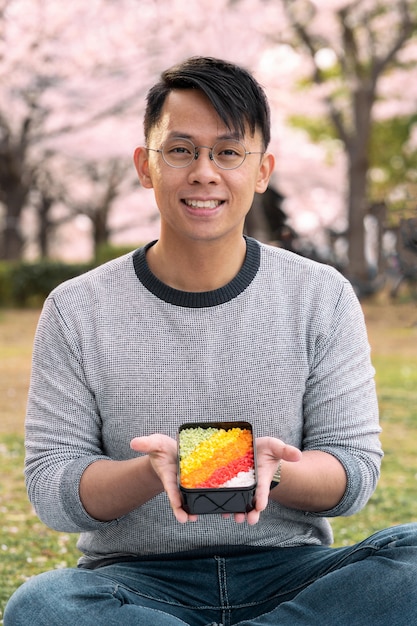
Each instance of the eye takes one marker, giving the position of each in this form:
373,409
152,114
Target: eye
179,148
228,152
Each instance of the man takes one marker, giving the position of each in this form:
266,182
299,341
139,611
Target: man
206,325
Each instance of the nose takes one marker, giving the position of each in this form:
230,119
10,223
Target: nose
203,168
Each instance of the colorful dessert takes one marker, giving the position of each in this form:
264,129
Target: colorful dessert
212,457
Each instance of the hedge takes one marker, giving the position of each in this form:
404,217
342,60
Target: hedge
27,284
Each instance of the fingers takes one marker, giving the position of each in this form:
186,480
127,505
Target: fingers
271,450
278,449
182,516
153,444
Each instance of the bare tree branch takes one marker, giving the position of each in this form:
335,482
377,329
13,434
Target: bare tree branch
405,30
308,40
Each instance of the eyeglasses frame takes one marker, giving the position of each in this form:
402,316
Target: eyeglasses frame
211,157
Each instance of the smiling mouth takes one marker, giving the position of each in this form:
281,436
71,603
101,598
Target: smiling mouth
203,204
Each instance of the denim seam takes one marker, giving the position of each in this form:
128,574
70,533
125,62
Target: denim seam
161,600
224,598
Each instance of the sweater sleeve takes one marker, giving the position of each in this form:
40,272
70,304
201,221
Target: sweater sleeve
340,403
62,426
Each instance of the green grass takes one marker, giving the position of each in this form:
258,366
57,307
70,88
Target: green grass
27,547
394,501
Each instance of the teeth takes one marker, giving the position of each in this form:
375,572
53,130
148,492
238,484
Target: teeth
200,204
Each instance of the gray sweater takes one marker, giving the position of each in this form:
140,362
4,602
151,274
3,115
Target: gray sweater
118,354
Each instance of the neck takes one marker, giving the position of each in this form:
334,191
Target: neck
201,266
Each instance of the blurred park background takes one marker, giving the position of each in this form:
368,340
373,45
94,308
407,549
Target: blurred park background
341,77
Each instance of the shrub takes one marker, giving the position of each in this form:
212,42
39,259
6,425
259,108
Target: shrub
24,284
106,252
27,284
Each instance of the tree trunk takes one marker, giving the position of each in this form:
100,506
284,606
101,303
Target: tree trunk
357,208
358,154
14,189
45,225
11,237
256,224
11,248
101,231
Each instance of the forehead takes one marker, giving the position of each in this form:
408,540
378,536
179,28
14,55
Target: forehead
189,113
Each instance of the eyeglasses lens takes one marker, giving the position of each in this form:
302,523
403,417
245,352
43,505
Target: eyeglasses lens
227,154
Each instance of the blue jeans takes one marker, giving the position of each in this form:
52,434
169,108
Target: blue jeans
373,582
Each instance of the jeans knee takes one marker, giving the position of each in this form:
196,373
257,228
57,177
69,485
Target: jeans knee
402,536
27,603
18,608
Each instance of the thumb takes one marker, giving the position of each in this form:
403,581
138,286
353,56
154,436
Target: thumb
291,453
152,443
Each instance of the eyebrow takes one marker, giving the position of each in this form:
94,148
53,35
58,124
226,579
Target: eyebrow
179,135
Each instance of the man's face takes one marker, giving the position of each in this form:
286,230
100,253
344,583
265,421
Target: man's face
200,201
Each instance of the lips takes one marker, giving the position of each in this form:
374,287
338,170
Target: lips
203,204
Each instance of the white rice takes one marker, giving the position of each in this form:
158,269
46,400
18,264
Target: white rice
243,479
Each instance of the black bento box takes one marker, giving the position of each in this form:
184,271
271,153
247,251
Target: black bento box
230,499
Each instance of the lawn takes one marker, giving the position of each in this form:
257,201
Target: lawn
27,547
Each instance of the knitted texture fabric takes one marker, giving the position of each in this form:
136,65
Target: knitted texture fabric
118,354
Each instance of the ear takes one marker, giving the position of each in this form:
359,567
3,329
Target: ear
265,171
141,161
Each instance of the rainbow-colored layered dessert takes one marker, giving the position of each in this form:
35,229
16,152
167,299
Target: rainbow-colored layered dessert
211,457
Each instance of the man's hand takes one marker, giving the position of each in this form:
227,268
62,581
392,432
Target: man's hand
162,451
269,451
163,455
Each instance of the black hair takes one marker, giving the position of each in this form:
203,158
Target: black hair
236,96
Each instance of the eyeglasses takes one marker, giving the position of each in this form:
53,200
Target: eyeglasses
228,154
